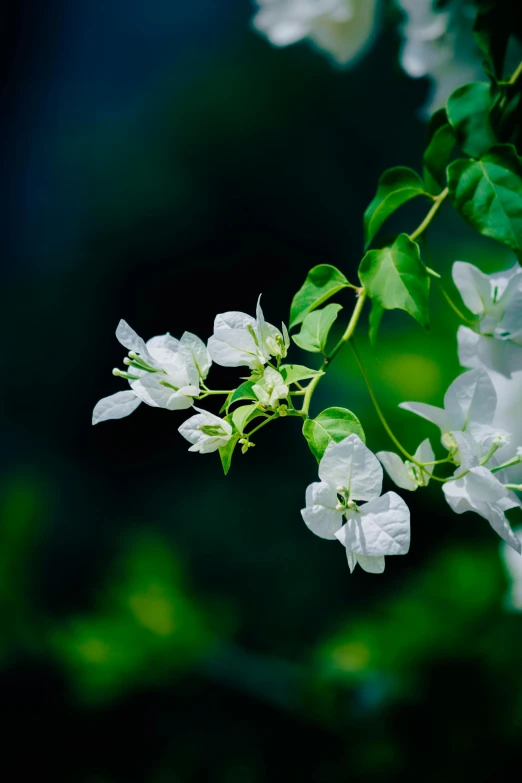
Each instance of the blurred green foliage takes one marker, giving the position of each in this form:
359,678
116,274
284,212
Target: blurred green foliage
146,626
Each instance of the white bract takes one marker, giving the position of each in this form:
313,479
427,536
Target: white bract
408,475
164,373
206,432
479,350
241,340
270,388
477,489
342,28
350,473
513,565
469,406
438,43
497,301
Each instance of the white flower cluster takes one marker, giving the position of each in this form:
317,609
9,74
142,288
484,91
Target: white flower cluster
350,473
470,430
169,373
341,28
346,504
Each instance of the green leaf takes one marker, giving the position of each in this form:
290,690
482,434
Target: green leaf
468,110
396,187
487,193
322,282
243,392
332,424
315,328
242,415
395,277
292,373
376,314
226,451
441,141
225,405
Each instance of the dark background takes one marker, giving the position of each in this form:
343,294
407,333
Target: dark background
162,163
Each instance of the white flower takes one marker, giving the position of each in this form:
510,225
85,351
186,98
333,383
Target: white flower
349,472
164,373
469,406
439,43
497,300
476,489
513,565
408,475
270,388
482,351
206,432
342,28
240,339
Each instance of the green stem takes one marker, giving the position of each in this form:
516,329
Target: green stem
437,203
350,329
377,406
490,453
361,298
515,487
508,464
434,462
209,393
454,307
309,391
266,421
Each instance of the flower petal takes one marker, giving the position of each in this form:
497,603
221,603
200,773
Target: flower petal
471,399
481,492
381,527
429,412
474,286
476,350
196,351
234,348
510,325
151,389
352,560
396,470
233,320
320,515
351,465
425,454
133,342
501,526
373,565
117,406
164,349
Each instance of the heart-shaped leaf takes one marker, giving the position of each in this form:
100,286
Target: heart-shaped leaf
395,277
332,424
396,187
487,193
321,283
315,328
